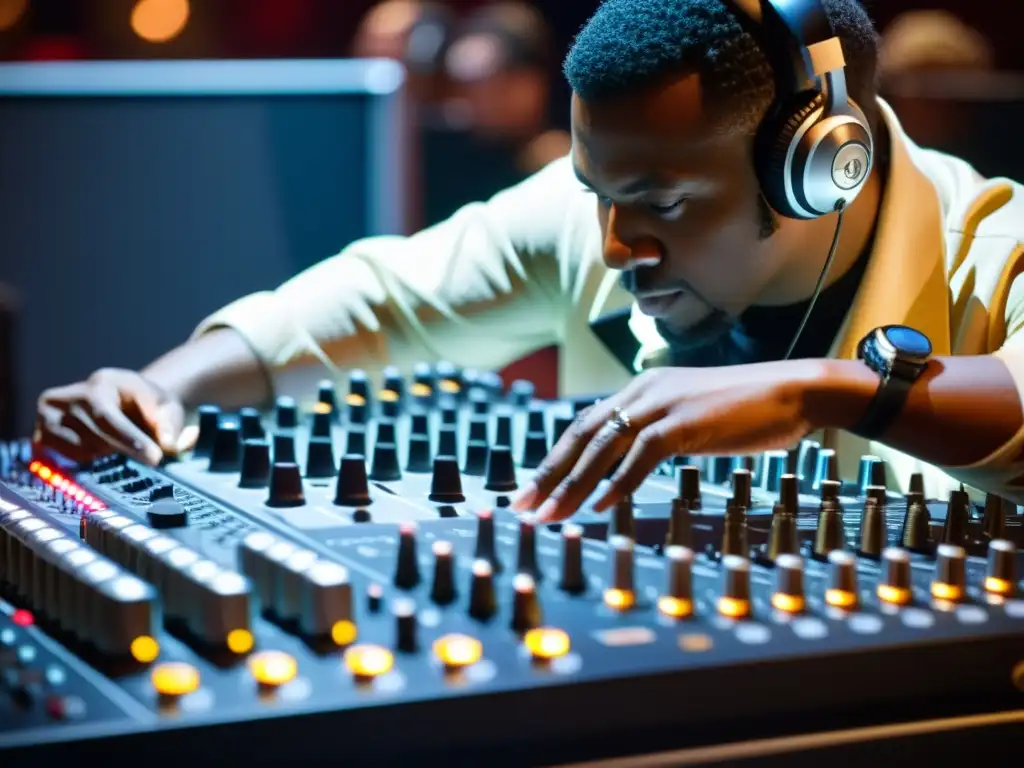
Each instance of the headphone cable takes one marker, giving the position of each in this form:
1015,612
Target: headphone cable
840,209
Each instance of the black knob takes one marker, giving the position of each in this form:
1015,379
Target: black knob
689,486
501,472
352,489
442,590
680,525
359,383
482,601
165,491
286,412
226,453
423,374
1001,573
255,464
789,493
286,486
355,442
526,552
209,417
478,429
327,396
916,484
407,564
449,414
166,513
521,393
535,449
357,409
503,430
447,441
782,537
916,525
390,404
320,421
284,448
994,520
559,426
623,522
394,381
830,490
446,483
535,420
320,458
573,580
480,402
420,424
735,539
873,530
958,516
384,466
895,585
387,431
419,454
842,580
830,534
492,383
485,540
406,639
950,580
526,614
476,458
251,424
878,493
741,488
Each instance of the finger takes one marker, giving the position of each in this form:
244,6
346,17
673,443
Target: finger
102,416
77,420
652,446
64,441
187,439
566,452
63,396
600,455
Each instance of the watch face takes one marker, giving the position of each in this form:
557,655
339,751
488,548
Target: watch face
907,342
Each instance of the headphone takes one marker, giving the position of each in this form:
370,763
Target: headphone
814,150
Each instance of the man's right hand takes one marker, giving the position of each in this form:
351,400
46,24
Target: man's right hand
113,411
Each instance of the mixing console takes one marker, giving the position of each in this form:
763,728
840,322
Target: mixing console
309,581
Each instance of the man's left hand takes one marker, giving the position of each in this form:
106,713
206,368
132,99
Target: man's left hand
675,412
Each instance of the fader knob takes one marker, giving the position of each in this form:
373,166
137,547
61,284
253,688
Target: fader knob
352,489
916,535
958,515
419,424
830,534
842,580
387,431
623,522
284,448
573,580
501,472
480,402
447,441
442,590
478,428
209,417
394,381
449,414
255,464
503,430
526,552
226,453
872,529
735,539
407,565
1001,573
677,601
789,493
286,486
482,600
486,548
735,598
622,572
689,486
251,424
916,484
789,584
895,587
526,613
741,488
950,581
384,466
476,458
419,454
446,483
994,520
406,639
321,420
358,410
782,537
359,383
327,395
521,392
535,448
320,458
680,524
355,441
286,412
326,600
390,404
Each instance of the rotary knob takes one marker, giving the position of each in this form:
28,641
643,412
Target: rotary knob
1001,574
895,587
789,584
950,580
734,601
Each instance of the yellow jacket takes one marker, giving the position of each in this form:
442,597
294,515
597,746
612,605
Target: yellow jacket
522,271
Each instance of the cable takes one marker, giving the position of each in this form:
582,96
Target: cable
840,209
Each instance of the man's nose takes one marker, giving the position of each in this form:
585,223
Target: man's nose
625,249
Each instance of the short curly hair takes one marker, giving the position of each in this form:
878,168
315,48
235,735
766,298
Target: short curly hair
629,44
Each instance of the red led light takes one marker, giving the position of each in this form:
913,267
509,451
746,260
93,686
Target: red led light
22,618
66,486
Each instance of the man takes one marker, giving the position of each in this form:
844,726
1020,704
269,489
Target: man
659,199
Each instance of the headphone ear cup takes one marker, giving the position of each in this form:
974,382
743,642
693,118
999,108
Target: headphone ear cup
774,138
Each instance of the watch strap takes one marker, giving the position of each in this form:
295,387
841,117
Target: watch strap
884,407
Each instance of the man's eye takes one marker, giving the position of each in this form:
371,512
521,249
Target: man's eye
667,210
606,202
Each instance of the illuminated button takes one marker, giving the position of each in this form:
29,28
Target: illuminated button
789,584
145,649
272,668
621,595
950,573
175,679
420,390
1001,577
735,600
239,641
458,651
366,662
677,602
545,643
22,618
526,612
895,585
842,580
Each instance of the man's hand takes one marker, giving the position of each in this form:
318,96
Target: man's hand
112,411
674,411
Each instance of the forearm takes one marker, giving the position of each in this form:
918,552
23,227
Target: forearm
218,367
960,411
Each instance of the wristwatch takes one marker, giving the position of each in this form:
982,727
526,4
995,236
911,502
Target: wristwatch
899,355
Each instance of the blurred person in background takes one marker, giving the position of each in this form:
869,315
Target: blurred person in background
919,53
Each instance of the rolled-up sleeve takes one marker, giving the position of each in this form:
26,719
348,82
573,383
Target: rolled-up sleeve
491,284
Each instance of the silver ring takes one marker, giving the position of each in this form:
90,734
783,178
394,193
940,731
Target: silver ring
619,421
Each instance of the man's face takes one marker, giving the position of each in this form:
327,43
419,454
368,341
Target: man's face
678,202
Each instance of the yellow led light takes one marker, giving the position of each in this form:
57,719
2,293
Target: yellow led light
546,643
675,607
458,651
354,399
322,408
943,591
45,473
272,668
344,633
145,649
449,387
420,390
240,641
175,678
788,603
998,586
368,661
733,608
893,595
619,599
840,598
387,396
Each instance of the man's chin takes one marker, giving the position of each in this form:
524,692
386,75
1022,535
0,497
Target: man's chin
688,333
